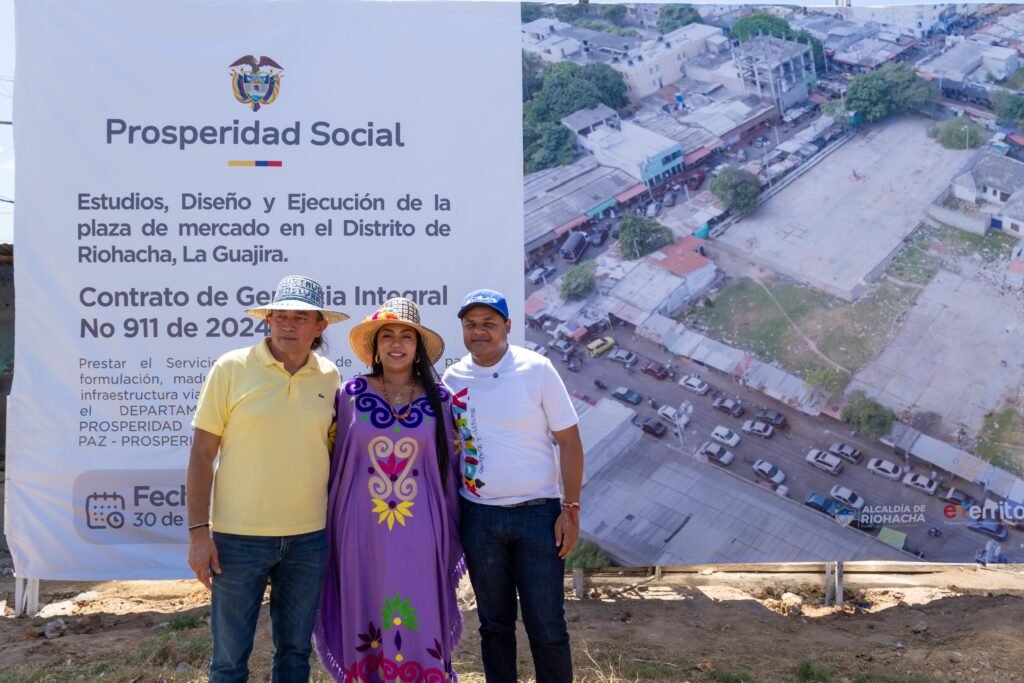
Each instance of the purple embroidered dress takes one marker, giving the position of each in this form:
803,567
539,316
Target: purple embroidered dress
388,610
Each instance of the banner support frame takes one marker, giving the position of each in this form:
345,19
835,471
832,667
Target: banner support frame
26,596
839,584
834,583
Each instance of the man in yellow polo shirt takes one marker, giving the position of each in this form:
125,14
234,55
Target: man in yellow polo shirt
267,411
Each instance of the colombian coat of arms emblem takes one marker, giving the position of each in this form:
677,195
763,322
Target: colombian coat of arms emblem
256,82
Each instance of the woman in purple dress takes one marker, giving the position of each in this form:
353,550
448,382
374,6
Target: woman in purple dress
388,610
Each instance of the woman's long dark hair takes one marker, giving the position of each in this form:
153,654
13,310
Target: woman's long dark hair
425,373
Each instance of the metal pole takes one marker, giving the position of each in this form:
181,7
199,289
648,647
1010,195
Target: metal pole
577,583
32,602
839,584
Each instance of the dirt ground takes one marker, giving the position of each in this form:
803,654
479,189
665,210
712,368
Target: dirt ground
951,624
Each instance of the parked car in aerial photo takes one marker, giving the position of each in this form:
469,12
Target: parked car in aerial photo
716,453
772,417
822,504
656,370
884,468
989,528
845,451
673,417
728,405
562,346
725,436
847,497
624,356
921,483
765,469
538,275
958,497
758,428
694,384
600,345
535,347
824,461
627,395
653,427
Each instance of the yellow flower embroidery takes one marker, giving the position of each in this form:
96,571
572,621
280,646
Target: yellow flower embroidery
392,485
385,512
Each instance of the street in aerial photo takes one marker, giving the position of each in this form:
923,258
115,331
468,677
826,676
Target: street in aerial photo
774,253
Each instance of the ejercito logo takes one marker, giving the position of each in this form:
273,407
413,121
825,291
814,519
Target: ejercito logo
256,82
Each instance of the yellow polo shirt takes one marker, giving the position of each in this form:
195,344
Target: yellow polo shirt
271,474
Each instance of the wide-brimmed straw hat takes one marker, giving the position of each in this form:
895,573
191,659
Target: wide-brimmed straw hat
397,311
298,293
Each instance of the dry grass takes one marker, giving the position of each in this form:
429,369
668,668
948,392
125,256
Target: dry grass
773,327
849,335
1001,440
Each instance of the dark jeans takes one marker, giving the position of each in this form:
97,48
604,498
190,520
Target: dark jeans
510,549
294,567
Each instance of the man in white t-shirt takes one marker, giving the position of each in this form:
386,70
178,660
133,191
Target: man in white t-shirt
520,495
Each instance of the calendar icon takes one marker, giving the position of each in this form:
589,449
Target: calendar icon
104,511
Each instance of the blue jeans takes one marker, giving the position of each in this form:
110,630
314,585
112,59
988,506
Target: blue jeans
294,567
510,550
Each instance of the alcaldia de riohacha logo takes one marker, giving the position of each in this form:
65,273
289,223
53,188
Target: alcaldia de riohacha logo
256,82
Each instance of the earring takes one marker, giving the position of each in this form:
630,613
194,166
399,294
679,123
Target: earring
376,358
417,358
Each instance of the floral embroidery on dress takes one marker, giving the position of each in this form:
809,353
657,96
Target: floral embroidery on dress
397,613
392,486
376,410
371,639
377,667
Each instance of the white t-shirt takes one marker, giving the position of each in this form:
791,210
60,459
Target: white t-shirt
505,414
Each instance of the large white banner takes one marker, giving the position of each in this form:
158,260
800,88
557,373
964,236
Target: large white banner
175,160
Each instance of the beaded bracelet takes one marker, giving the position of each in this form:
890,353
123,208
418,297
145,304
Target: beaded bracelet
572,509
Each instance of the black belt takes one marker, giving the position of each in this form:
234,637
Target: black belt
530,503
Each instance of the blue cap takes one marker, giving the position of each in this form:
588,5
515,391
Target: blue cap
485,297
